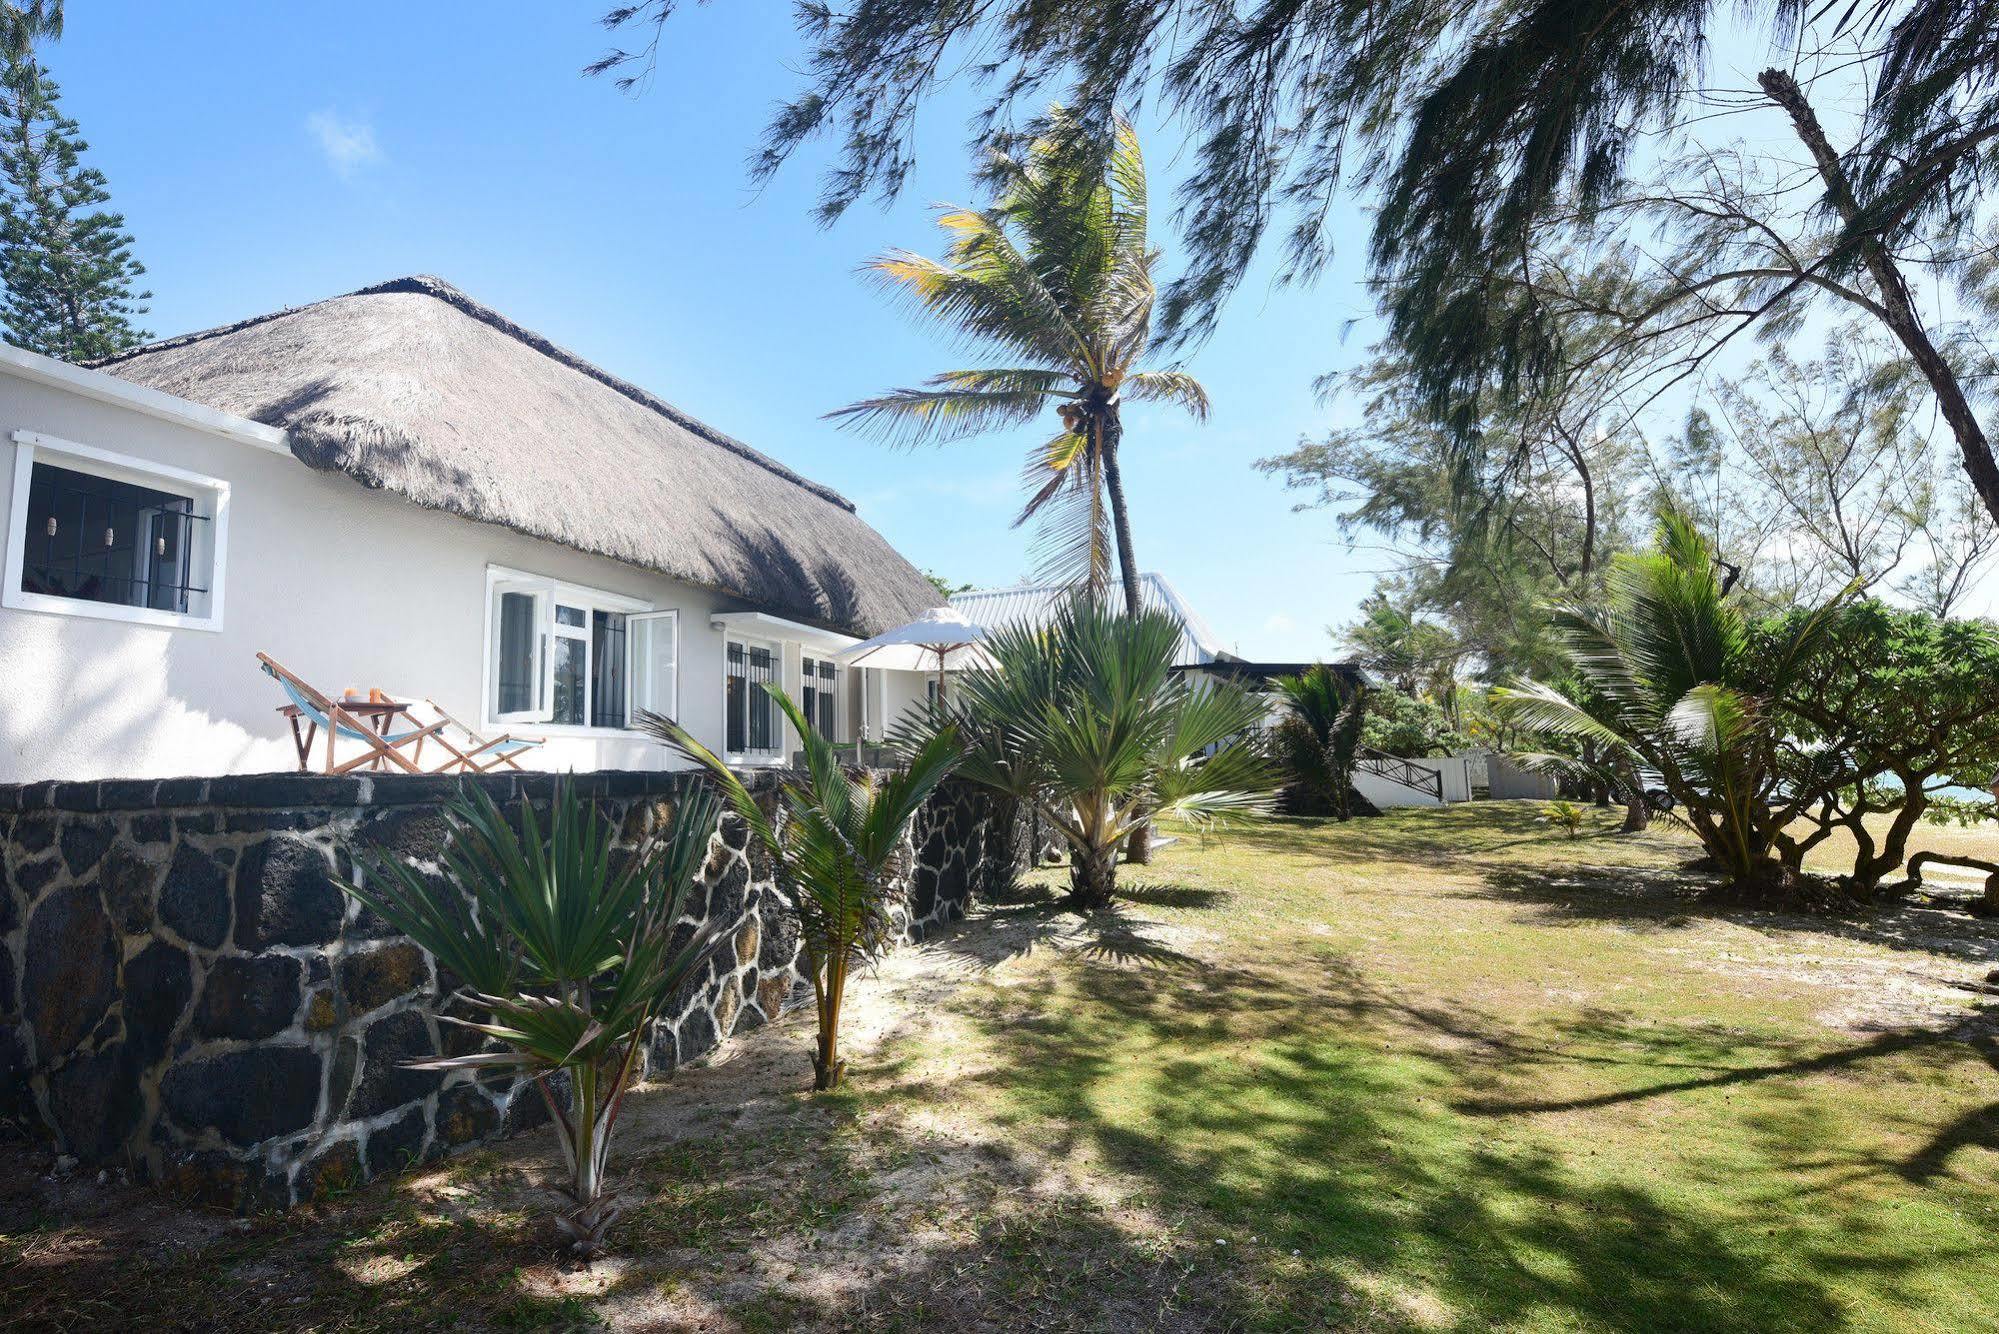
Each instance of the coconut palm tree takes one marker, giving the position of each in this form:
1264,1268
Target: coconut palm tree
1666,664
1053,283
835,849
1085,721
567,944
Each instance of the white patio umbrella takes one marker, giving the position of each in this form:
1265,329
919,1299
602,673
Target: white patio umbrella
938,640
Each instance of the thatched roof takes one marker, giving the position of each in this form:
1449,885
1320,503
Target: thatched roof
414,387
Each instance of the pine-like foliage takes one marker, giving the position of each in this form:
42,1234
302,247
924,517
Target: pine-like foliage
66,262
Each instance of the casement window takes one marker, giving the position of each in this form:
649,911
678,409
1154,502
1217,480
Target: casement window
752,726
818,690
565,656
93,533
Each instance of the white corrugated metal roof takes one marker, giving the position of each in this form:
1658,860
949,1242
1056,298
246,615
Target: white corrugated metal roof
1036,603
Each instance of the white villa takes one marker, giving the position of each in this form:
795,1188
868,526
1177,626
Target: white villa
400,488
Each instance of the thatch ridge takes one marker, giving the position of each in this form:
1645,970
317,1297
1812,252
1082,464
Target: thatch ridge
412,387
424,284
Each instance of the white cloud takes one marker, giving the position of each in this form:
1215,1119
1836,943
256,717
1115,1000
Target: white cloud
349,145
1278,623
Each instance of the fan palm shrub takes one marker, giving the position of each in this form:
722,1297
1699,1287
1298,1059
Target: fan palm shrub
1675,682
835,847
1054,283
1318,738
568,945
1085,721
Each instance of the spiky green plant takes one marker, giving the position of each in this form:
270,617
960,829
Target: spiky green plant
1667,666
835,850
1053,281
1085,720
568,943
1318,738
1567,816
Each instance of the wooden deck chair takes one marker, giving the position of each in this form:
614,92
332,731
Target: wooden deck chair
321,714
480,754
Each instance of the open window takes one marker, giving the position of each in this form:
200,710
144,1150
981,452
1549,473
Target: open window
652,645
522,611
566,656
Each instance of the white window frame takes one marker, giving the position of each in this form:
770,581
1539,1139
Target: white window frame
671,618
211,501
782,725
551,592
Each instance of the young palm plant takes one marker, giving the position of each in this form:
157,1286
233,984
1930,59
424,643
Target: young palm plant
1054,283
835,850
1666,664
1085,720
1318,738
568,944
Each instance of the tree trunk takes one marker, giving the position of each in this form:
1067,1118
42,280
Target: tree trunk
1110,427
1898,306
1137,848
1637,815
1092,877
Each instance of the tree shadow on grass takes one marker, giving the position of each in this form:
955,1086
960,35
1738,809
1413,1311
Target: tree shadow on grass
1648,899
1315,1127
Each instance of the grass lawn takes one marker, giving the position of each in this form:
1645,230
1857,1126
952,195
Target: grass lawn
1440,1070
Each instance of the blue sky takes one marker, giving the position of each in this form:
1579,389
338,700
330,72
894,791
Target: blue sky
273,155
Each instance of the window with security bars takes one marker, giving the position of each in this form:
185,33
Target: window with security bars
91,538
751,723
818,687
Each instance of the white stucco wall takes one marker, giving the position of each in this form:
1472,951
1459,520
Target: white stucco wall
1385,792
344,585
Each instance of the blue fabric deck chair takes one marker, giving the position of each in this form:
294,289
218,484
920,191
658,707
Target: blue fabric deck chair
312,713
481,755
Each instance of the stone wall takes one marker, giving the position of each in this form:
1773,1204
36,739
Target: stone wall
184,990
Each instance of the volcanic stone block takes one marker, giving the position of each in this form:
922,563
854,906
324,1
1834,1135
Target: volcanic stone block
207,1176
248,1096
285,895
386,1082
35,833
332,1170
411,834
396,1145
194,901
697,1035
465,1113
83,843
31,878
159,982
71,976
96,1103
128,881
248,996
381,975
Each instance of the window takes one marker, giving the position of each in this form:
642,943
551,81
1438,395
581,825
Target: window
99,534
752,726
575,657
818,687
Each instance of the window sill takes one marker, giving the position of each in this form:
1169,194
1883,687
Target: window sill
109,611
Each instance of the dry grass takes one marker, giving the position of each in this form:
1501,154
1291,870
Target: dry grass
1439,1070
